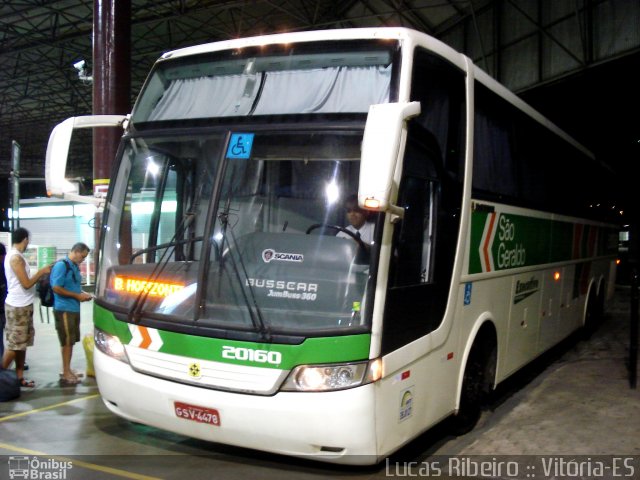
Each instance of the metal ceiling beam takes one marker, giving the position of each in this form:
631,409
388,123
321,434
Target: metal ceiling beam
545,31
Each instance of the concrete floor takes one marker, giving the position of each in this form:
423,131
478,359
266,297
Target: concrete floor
576,401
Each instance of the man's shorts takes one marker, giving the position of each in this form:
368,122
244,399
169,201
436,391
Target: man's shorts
19,328
67,326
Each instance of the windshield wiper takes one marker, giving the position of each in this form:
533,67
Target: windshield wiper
248,294
243,279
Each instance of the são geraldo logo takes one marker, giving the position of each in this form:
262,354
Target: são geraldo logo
509,253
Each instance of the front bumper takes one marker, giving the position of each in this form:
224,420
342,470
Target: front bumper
334,426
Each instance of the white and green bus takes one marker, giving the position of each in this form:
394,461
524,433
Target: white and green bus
234,306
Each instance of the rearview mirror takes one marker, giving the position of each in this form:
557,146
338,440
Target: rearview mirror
383,135
58,151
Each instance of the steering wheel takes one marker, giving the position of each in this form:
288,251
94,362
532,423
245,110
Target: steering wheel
357,239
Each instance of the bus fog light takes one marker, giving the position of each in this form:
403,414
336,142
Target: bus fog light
323,378
110,345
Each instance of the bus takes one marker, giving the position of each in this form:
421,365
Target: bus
234,305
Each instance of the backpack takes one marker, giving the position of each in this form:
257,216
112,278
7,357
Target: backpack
9,385
44,288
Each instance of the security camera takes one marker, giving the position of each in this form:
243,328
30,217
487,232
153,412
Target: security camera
83,71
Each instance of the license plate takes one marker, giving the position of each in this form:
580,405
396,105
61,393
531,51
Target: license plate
197,414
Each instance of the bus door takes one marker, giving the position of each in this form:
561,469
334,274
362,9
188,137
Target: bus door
423,246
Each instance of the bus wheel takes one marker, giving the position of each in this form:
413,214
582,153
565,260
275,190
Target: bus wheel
593,317
476,384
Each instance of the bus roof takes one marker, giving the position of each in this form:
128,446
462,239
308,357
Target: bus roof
403,35
383,33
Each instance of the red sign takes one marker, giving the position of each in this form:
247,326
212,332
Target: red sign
197,414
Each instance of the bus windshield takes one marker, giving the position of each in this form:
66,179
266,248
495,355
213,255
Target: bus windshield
244,231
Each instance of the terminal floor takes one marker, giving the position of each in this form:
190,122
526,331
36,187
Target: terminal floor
575,401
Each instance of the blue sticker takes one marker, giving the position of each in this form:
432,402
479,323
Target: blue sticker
240,145
467,293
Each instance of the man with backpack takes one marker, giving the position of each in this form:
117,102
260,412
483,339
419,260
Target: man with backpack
67,293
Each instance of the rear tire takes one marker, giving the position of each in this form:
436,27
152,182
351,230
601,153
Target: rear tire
594,314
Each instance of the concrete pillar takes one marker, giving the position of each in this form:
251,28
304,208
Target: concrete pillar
111,88
111,80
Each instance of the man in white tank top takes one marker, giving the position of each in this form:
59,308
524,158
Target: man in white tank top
19,304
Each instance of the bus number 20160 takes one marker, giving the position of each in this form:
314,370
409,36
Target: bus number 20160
248,354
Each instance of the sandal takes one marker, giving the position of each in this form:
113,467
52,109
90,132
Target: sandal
65,382
74,372
27,383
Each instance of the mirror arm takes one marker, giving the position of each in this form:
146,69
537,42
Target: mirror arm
397,213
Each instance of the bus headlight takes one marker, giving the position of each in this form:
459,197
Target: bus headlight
325,378
110,345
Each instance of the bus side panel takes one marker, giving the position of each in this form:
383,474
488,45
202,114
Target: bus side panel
525,323
533,310
531,273
562,308
571,303
414,397
482,301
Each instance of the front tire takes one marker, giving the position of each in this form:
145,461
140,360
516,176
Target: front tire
476,386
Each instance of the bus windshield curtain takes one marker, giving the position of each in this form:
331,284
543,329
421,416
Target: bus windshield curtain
327,90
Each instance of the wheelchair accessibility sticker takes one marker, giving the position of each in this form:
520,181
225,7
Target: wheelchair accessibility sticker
240,145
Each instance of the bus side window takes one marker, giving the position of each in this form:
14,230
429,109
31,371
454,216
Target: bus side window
418,194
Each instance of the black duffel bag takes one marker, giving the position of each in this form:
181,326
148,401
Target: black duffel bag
9,385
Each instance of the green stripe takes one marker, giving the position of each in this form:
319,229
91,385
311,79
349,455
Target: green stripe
347,348
104,320
522,241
